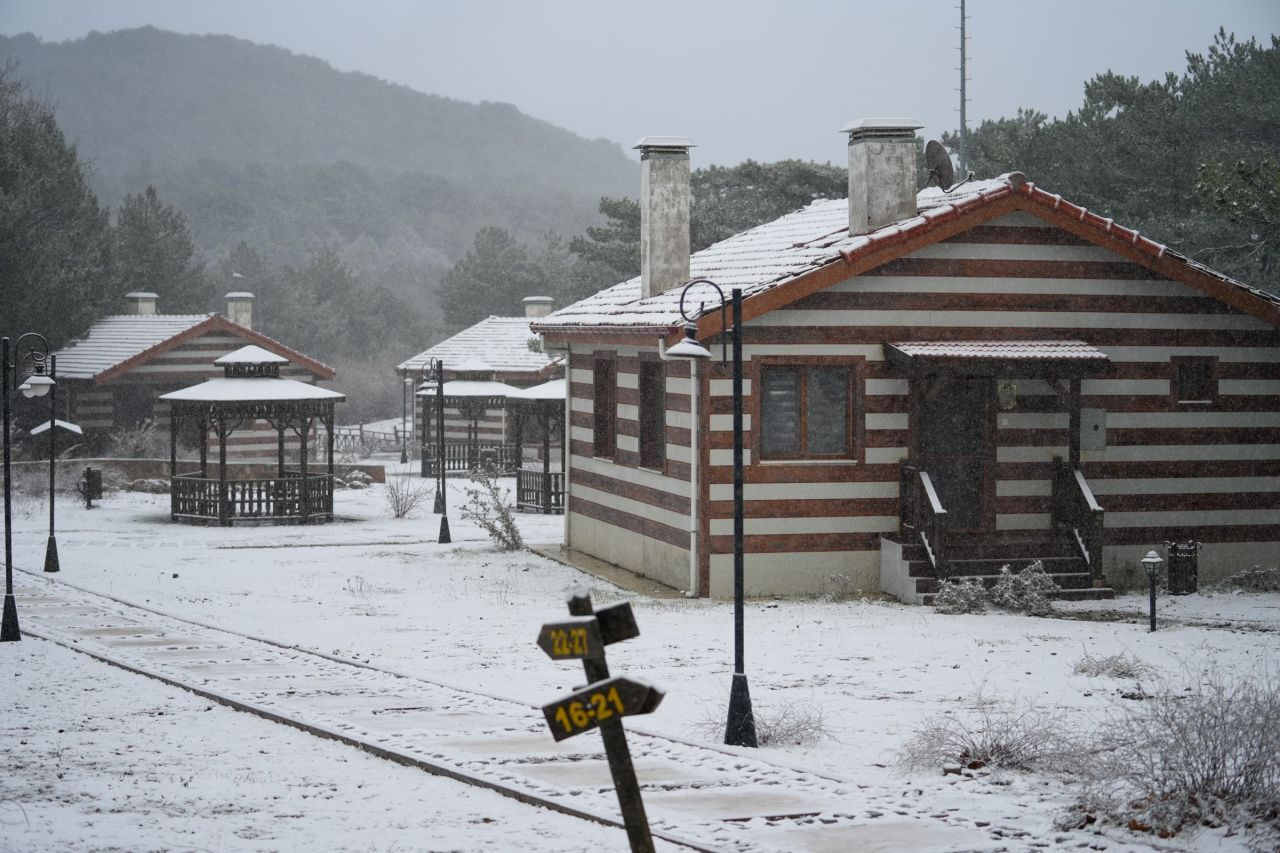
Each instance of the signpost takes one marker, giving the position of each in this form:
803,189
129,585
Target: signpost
604,701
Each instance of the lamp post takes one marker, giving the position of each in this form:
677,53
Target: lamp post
1151,563
37,384
51,549
740,727
435,369
404,414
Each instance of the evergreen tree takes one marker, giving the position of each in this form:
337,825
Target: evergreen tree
54,239
154,253
491,279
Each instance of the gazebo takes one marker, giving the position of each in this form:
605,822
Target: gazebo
541,406
251,390
474,395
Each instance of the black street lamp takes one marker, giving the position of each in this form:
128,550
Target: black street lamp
404,414
740,728
434,369
51,549
37,384
1151,563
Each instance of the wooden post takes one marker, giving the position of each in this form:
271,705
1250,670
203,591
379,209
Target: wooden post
224,506
1073,418
306,493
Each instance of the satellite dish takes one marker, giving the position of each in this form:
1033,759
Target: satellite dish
939,163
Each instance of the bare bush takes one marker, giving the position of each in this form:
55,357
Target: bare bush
1258,580
488,506
1029,591
1206,755
966,595
778,724
404,494
1113,666
1004,735
143,441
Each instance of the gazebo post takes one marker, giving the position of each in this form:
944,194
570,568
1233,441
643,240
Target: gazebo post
280,449
224,505
204,449
545,423
173,458
306,493
328,427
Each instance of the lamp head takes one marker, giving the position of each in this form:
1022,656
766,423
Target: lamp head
37,384
1152,562
689,347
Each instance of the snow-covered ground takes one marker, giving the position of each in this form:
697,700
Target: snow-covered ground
381,590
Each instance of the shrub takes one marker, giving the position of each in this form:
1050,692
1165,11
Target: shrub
487,506
995,734
966,595
140,442
1258,580
1113,666
403,494
1029,591
1207,755
778,724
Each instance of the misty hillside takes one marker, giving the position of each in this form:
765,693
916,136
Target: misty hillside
286,153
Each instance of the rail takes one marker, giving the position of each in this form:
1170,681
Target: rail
1076,509
465,456
291,499
922,514
539,491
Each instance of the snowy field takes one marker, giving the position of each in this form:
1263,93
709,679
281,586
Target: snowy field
380,590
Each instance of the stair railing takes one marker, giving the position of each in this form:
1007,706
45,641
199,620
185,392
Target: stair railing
922,514
1076,509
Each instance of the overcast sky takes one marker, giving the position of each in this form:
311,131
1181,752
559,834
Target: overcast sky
760,79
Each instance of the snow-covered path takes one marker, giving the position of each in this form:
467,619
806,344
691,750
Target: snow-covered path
713,799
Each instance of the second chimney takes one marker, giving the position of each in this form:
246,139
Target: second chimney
664,213
882,172
142,304
240,308
537,306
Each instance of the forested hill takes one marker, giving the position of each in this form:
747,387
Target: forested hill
285,152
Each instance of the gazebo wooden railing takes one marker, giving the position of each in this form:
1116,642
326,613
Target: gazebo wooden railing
540,491
464,456
294,498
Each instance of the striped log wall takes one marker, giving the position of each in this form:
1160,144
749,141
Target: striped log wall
1169,470
634,517
188,364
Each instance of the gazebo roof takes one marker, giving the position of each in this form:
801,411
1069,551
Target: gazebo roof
251,354
469,388
553,390
253,389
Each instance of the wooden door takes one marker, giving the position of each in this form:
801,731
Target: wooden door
957,448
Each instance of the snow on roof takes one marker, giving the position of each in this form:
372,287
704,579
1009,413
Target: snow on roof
252,389
753,261
502,343
251,354
553,390
1016,350
41,429
468,388
118,338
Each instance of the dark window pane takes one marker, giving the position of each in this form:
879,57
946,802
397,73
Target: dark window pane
1195,380
653,420
828,410
780,411
604,407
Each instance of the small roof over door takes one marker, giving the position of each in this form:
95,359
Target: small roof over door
1012,359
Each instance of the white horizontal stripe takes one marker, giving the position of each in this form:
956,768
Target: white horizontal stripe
1015,252
629,442
577,404
1159,355
679,453
1248,386
725,457
876,387
1029,454
893,420
1033,420
1023,521
628,380
1188,452
1017,320
724,423
582,375
724,387
684,420
806,491
1024,488
170,367
643,510
1191,419
640,476
582,433
838,524
1049,286
1183,485
1193,518
871,352
628,412
885,455
1125,387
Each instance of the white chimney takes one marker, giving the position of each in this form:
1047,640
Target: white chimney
141,304
537,306
240,308
664,213
882,172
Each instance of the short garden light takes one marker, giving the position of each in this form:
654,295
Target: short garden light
1151,563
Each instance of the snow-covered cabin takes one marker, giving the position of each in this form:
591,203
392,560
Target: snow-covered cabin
497,349
113,376
936,382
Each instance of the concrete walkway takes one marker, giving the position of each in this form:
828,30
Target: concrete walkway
696,796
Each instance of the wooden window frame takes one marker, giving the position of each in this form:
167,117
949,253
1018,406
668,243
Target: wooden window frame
604,404
1175,391
652,413
855,416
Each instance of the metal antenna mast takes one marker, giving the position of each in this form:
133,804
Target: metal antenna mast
964,97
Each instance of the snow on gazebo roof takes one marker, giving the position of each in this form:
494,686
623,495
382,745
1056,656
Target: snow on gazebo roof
251,354
253,389
553,390
469,388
